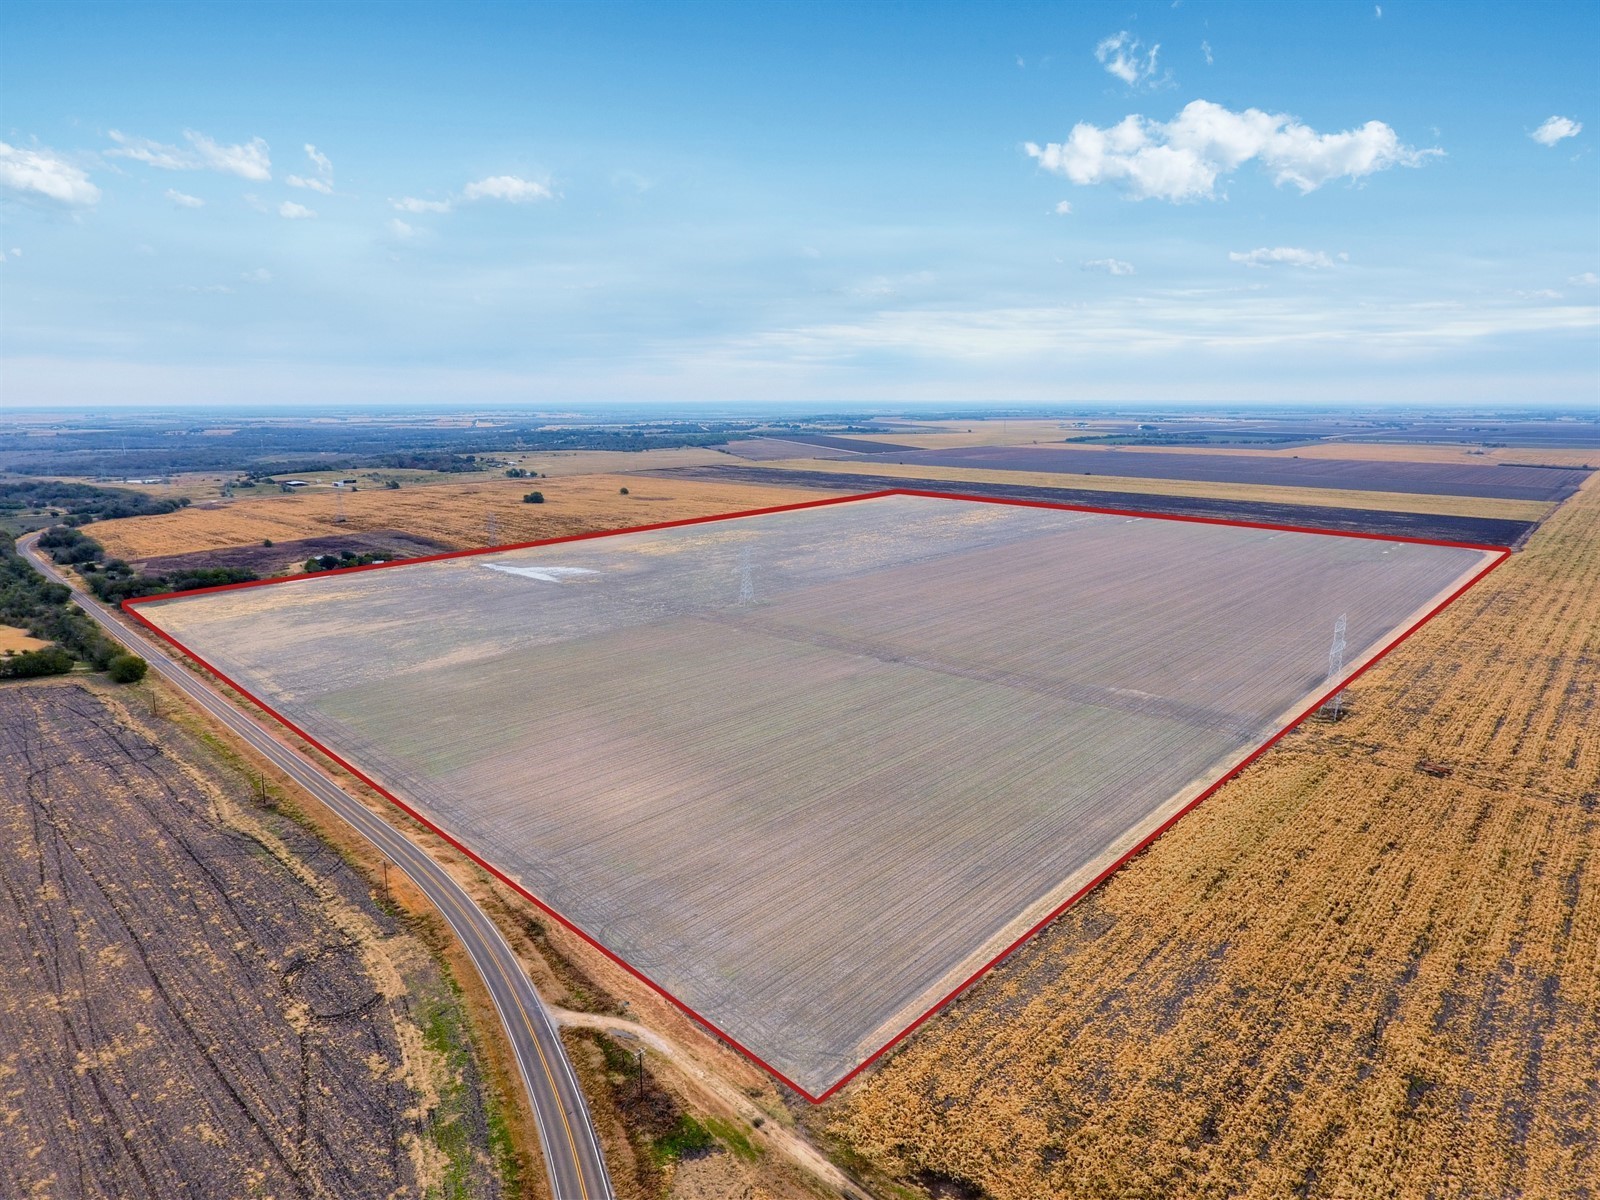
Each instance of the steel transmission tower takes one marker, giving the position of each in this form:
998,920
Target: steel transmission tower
1335,703
492,530
747,579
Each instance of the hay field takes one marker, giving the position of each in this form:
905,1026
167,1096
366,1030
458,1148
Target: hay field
1453,506
15,641
201,1002
810,806
453,513
1340,976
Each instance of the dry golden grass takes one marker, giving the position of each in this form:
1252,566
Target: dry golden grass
15,641
1455,506
1338,977
454,513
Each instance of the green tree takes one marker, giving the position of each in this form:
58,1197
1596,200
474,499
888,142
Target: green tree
533,498
127,668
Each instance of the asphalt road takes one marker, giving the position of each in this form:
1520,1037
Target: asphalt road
571,1149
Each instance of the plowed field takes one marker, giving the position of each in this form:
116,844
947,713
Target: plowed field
190,1010
810,770
1341,976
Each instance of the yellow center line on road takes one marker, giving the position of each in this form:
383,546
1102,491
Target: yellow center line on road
544,1062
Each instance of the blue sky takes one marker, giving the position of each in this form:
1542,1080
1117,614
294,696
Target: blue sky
879,204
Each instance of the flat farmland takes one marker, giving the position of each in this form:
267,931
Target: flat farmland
1504,482
1341,976
807,771
199,1001
456,514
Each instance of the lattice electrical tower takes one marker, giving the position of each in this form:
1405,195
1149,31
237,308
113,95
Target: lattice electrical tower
747,579
1334,705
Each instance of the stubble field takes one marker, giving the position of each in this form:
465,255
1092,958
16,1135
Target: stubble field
1341,976
190,1009
807,771
456,514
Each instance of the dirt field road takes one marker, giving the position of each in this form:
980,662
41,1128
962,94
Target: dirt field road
572,1152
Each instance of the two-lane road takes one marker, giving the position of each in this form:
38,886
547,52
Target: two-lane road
571,1149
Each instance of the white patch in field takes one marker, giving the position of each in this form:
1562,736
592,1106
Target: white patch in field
548,574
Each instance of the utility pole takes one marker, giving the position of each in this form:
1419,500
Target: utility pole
387,899
491,529
640,1072
1334,705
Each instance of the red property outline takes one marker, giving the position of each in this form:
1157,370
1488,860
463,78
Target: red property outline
1502,553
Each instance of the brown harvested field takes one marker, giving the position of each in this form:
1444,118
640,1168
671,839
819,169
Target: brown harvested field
614,462
453,513
199,999
1465,506
1456,454
952,434
15,641
942,717
1341,976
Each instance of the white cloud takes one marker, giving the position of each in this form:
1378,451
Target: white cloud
1556,128
401,230
1182,159
259,275
1587,279
1063,208
15,253
410,204
506,187
1377,12
291,211
1292,256
1123,55
1205,48
40,172
1111,266
323,180
248,160
168,158
183,199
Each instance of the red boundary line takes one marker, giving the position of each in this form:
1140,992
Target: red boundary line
1503,553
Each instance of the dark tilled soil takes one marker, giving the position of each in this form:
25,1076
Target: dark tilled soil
180,1014
1477,531
1443,479
388,544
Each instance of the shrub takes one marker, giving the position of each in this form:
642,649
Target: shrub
267,542
31,664
127,668
533,498
624,491
686,1139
